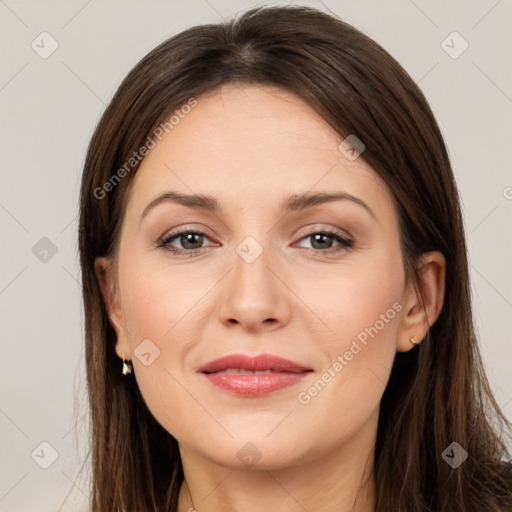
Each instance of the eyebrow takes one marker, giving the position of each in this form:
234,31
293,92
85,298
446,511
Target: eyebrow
295,202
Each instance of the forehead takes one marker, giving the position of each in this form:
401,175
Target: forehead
250,142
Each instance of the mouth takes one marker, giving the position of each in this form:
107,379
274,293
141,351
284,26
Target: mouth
253,376
242,371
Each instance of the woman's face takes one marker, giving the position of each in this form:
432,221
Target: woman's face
254,277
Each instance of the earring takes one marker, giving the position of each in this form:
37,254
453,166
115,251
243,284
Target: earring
127,367
414,340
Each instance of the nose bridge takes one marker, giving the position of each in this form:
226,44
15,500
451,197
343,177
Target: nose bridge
251,261
252,252
253,294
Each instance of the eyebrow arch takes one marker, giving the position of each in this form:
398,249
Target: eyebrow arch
295,202
302,201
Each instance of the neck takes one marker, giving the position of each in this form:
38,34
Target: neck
340,480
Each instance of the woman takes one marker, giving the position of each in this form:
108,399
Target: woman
258,368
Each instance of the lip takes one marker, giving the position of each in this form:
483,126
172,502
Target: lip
260,362
280,373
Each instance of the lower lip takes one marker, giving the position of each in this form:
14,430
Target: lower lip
255,384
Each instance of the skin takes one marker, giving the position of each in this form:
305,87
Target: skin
251,147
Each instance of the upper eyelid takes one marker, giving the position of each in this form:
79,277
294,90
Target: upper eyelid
184,230
188,228
331,230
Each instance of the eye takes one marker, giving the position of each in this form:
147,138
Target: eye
191,241
322,241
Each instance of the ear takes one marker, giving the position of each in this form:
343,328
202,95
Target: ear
113,306
423,300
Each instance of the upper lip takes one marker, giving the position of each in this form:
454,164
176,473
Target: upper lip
260,362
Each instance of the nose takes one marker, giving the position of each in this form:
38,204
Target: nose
254,295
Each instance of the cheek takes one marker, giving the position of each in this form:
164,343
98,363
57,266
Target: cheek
367,312
159,299
357,296
164,311
363,310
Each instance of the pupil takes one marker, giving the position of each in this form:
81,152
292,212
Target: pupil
189,238
318,237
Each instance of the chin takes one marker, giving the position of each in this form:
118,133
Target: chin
258,452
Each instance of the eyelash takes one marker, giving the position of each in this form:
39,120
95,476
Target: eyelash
345,243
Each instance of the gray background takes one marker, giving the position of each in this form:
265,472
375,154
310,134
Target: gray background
49,108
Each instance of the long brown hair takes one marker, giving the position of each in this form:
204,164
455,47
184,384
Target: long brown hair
437,393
